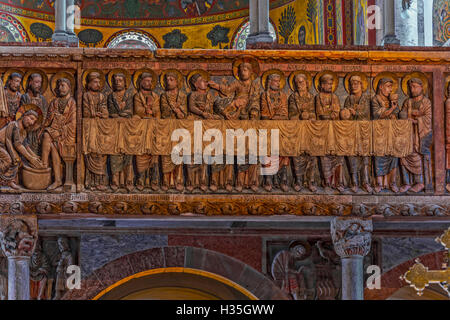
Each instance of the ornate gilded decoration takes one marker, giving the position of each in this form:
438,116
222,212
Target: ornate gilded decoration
419,276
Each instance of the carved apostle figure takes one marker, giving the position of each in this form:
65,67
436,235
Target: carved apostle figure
94,106
241,102
301,107
274,107
13,95
384,105
418,164
120,105
60,130
173,106
328,108
34,96
64,262
39,273
447,135
357,107
14,150
200,106
147,106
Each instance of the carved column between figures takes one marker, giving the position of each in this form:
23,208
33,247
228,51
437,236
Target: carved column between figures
18,236
351,240
259,22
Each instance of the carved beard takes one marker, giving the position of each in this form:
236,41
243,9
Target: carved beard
11,88
36,90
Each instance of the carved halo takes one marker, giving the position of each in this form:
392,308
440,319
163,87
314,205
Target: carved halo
273,71
447,85
320,74
303,243
389,75
418,75
205,75
364,80
102,77
292,77
44,79
61,75
9,72
26,107
180,78
138,73
248,59
116,71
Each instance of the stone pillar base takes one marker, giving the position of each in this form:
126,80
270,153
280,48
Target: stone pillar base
262,37
60,37
391,40
73,40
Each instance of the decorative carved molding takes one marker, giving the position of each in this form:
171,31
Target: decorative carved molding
351,236
18,235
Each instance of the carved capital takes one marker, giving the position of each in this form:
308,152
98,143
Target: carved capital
351,236
18,235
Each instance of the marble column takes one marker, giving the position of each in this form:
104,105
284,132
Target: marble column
18,236
428,22
351,239
407,23
259,22
389,23
60,34
71,12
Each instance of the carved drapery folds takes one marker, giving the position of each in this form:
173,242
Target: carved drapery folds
351,236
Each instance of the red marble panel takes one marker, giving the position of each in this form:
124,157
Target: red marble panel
247,249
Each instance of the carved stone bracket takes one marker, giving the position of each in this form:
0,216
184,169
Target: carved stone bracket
18,235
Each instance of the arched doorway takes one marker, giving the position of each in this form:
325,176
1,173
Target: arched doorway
176,272
175,284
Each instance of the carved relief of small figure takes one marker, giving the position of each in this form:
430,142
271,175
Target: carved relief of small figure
173,106
328,108
13,95
14,150
241,102
274,107
286,275
200,104
357,107
94,106
384,105
64,262
301,107
39,273
120,105
34,96
60,130
418,164
147,106
447,135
